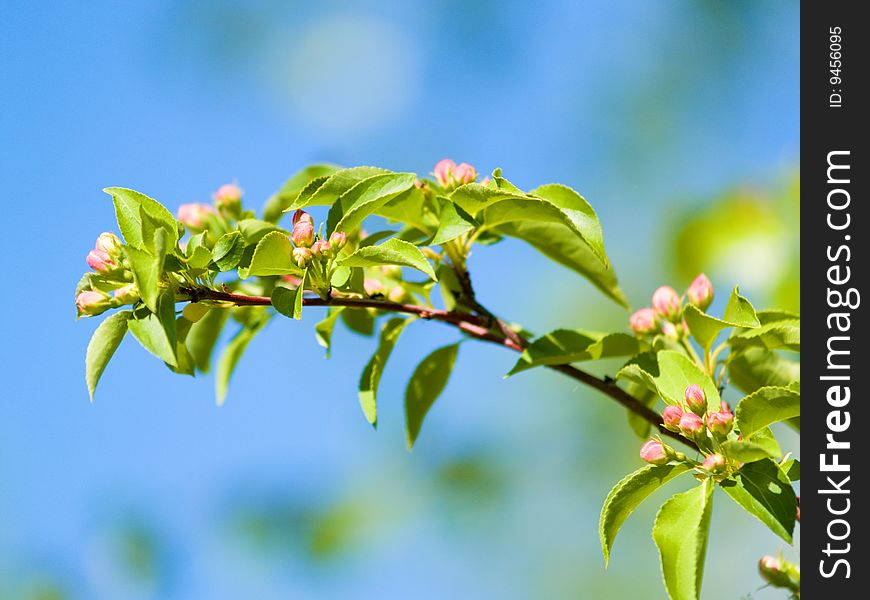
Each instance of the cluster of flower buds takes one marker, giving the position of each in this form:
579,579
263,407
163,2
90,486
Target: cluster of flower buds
308,246
449,175
666,314
107,260
778,572
195,216
107,256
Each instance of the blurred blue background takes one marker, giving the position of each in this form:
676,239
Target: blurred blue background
664,115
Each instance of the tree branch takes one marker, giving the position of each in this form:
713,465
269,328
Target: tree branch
478,326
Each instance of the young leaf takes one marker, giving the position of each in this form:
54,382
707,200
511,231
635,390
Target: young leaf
365,198
784,334
186,365
203,336
627,495
228,251
147,270
704,328
230,358
739,310
453,222
156,331
680,533
669,373
426,384
765,439
792,469
765,406
128,204
323,330
289,302
106,339
254,230
392,252
765,492
272,256
200,257
359,320
409,208
371,375
752,368
564,346
474,197
325,191
288,193
746,452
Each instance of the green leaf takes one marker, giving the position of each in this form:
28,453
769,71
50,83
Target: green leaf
579,211
147,271
200,258
323,330
105,340
273,256
365,198
129,206
392,252
228,251
289,302
765,406
746,452
254,230
680,533
156,331
792,469
639,425
627,495
765,439
186,365
410,208
230,358
785,334
453,222
325,191
751,368
371,375
740,311
203,336
474,197
765,492
705,328
359,320
669,373
289,192
426,384
564,346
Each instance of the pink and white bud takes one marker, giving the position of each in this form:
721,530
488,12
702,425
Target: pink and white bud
670,331
229,195
671,417
774,571
464,173
109,243
714,463
397,295
292,280
666,303
302,256
194,215
656,453
303,234
338,240
321,248
700,292
720,423
443,172
696,399
373,287
643,321
92,302
302,216
691,425
127,294
100,262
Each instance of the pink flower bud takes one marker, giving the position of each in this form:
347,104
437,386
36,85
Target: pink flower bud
700,292
303,234
228,194
691,425
775,572
670,331
100,262
373,286
194,215
714,463
443,172
321,248
666,303
397,294
671,417
696,399
302,256
720,423
338,240
301,215
127,294
109,243
464,173
92,302
643,321
656,453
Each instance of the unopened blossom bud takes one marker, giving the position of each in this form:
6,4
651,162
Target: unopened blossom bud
656,453
228,199
691,425
772,570
100,262
303,234
443,172
92,302
714,463
643,321
671,417
127,294
696,399
392,271
666,303
338,240
373,286
302,216
720,423
670,331
464,173
109,243
700,292
397,294
321,248
194,215
302,256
